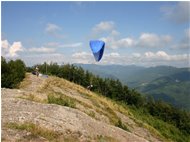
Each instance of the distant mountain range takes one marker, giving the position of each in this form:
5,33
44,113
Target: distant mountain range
166,83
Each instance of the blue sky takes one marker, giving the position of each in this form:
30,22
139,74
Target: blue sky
139,33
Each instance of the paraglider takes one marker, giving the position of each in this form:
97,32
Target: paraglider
97,47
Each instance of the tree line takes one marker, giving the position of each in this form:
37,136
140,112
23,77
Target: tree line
12,72
115,90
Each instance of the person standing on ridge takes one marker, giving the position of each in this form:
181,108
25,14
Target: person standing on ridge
37,71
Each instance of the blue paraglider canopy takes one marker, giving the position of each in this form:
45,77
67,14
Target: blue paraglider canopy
97,47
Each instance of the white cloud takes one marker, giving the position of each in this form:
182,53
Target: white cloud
59,45
50,28
147,59
87,58
17,46
32,59
148,39
149,54
178,13
103,26
42,50
111,37
112,58
163,56
52,44
136,55
5,44
53,30
72,45
82,57
153,40
145,40
115,33
11,50
144,59
110,42
114,55
125,42
114,43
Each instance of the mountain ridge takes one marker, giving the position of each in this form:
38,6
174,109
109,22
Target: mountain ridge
144,79
175,84
87,117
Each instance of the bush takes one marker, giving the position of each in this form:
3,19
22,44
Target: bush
12,73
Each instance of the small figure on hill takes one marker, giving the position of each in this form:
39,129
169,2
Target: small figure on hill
37,71
89,87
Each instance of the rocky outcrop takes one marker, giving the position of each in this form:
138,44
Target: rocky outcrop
72,124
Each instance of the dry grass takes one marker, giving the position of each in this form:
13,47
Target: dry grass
35,130
33,97
99,104
25,82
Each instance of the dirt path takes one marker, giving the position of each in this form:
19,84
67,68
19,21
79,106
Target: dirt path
72,124
32,83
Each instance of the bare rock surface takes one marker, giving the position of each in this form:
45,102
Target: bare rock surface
71,124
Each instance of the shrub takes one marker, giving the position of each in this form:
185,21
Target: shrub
12,73
121,125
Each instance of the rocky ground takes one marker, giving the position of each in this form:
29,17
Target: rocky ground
28,116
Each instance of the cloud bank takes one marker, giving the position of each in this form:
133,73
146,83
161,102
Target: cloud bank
9,50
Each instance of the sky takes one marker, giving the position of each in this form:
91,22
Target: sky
135,33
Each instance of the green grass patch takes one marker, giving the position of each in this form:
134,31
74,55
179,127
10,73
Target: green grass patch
121,125
35,130
91,114
85,104
113,118
61,100
85,95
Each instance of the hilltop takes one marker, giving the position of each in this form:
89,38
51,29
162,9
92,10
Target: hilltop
54,109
